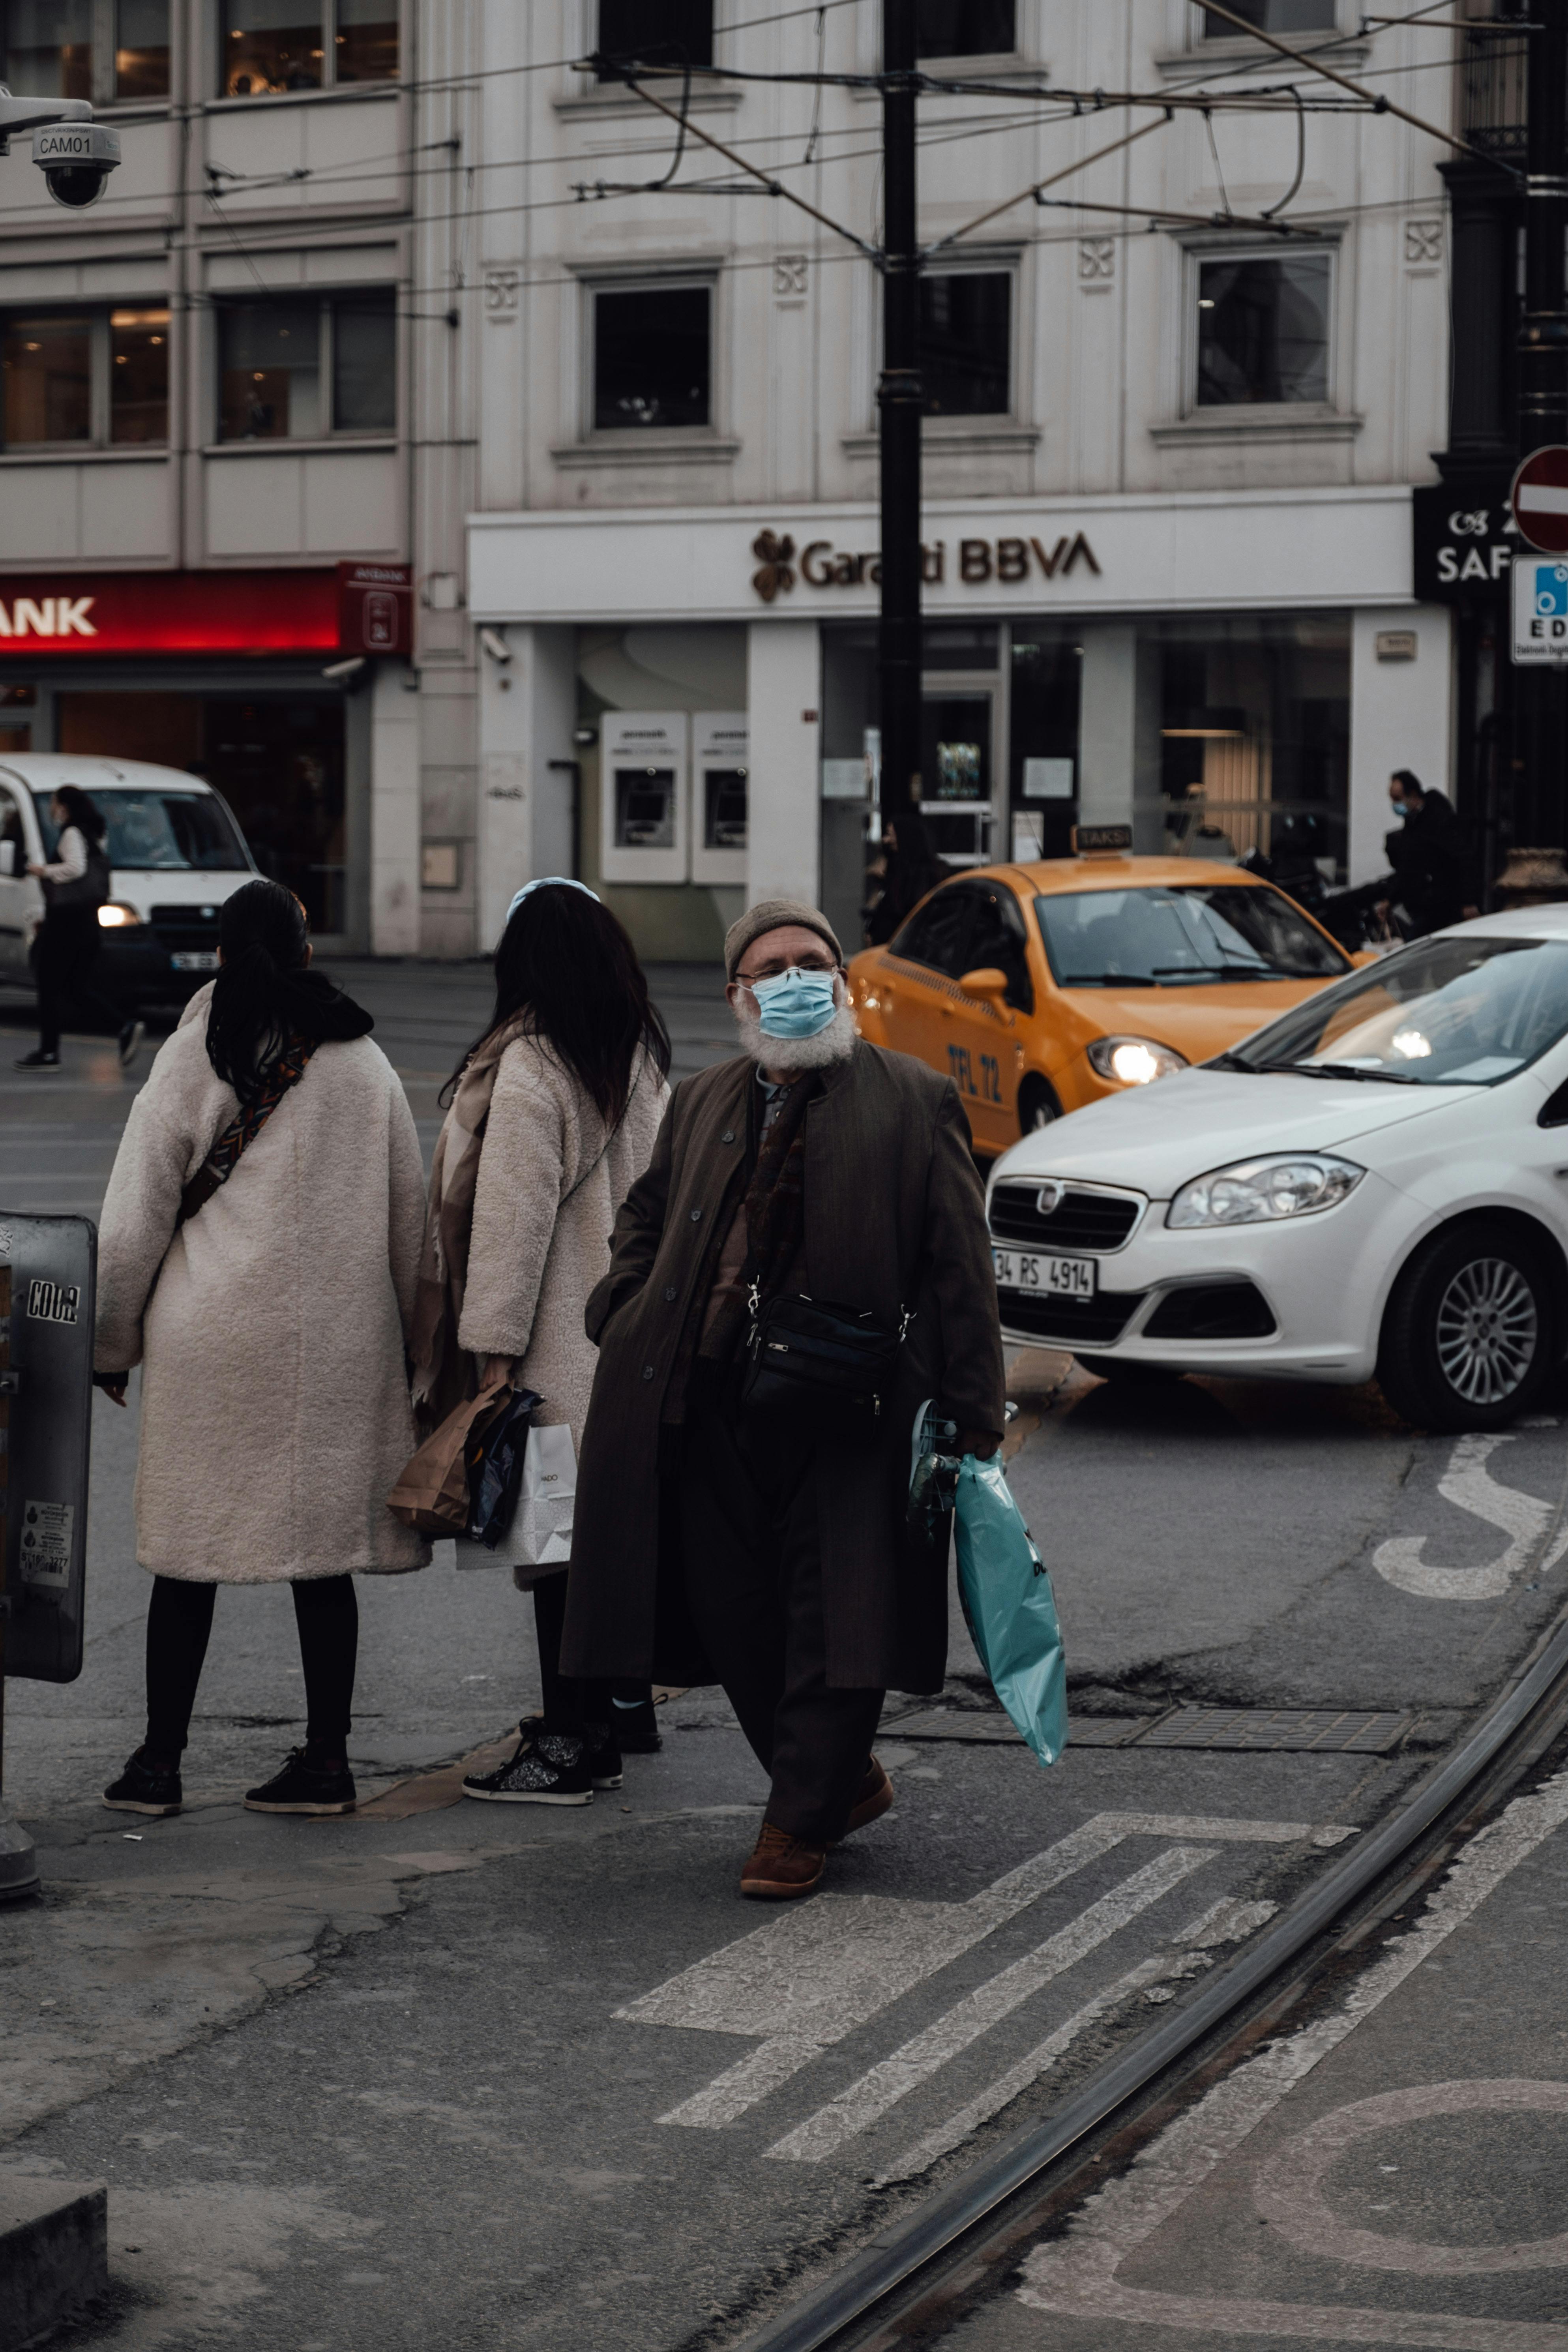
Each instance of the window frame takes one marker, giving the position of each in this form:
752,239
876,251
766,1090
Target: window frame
99,440
105,40
1204,42
1199,253
353,436
611,81
932,56
980,264
329,85
656,277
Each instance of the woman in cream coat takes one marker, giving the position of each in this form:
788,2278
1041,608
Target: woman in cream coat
553,1118
268,1317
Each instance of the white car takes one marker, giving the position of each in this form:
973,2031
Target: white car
175,853
1375,1183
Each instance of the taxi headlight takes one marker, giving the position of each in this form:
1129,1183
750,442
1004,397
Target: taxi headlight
1256,1192
1134,1061
114,915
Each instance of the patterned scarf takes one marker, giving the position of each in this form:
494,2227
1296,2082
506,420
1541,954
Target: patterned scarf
284,1071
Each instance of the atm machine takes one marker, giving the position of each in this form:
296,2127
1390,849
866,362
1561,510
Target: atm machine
718,795
644,818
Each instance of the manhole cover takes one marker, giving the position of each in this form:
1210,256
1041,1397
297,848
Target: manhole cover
982,1726
1340,1728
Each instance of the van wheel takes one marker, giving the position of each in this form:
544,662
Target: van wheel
1470,1333
1037,1106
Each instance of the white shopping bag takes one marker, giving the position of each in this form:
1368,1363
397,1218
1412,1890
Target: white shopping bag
540,1531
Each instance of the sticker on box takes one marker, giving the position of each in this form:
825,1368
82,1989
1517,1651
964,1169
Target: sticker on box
46,1552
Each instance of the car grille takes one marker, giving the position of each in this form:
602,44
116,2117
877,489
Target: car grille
1211,1311
1076,1322
1081,1220
185,930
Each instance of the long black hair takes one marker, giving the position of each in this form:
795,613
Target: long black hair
565,960
264,994
81,812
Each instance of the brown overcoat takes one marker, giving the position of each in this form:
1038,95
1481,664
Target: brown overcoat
894,1217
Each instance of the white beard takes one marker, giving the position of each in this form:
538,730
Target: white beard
789,1055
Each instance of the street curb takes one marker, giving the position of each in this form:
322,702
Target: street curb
54,2253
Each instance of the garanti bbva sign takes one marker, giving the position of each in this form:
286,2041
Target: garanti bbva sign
973,563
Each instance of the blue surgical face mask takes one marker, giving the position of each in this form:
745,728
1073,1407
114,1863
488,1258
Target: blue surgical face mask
795,1003
1401,808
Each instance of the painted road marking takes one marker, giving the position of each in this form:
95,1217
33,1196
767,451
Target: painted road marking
1470,1487
1076,2275
883,2085
811,1977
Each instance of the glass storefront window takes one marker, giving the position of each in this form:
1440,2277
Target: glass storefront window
49,47
139,375
141,49
1046,691
46,366
1255,737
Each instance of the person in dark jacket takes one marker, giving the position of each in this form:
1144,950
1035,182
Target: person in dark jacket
1432,877
911,868
64,955
716,1541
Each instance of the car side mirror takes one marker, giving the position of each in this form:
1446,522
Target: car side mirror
8,861
989,983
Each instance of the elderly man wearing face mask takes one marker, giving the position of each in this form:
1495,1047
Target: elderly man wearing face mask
722,1534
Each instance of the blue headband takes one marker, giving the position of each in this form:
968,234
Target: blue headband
546,882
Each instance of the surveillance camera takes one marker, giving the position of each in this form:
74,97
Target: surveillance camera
496,646
75,160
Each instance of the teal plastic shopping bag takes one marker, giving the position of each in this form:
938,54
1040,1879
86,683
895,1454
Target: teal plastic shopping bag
1009,1606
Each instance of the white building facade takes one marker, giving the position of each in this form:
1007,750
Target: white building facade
1169,453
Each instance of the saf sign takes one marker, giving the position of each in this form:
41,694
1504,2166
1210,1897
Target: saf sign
1540,610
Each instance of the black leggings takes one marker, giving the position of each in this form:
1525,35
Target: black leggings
65,967
178,1624
571,1702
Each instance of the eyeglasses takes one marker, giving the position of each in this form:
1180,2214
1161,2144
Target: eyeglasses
776,964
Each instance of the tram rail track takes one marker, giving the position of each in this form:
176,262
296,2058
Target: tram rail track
909,2282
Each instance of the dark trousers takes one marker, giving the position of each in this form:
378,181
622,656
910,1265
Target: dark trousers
65,962
753,1564
572,1702
178,1624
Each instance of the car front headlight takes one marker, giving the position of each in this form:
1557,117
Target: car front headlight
1134,1061
114,915
1258,1192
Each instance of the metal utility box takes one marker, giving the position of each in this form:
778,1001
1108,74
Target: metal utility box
720,789
47,1275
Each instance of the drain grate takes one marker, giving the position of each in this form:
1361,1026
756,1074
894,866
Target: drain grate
1343,1730
1332,1730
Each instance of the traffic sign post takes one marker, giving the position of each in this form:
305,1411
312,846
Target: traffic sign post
47,1277
1539,612
1540,498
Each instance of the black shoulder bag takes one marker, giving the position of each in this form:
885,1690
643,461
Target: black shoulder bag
816,1351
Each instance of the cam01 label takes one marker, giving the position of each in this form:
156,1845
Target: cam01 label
46,1552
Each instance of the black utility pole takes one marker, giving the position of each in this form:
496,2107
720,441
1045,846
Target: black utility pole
898,401
1541,746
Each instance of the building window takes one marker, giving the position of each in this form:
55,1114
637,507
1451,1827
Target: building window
1263,330
300,370
966,335
652,357
141,49
89,377
655,33
965,28
96,49
1273,16
272,47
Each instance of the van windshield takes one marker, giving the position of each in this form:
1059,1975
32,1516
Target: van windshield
154,831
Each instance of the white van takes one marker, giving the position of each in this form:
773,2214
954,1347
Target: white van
176,854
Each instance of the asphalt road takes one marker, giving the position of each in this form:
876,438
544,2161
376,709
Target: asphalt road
499,2076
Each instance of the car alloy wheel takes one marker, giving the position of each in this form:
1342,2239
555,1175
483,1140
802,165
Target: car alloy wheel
1038,1106
1487,1332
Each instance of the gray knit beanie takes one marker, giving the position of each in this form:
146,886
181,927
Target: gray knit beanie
772,915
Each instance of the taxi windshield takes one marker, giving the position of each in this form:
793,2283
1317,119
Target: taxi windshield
1448,1012
1197,934
155,830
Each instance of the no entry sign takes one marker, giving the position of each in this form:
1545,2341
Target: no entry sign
1541,500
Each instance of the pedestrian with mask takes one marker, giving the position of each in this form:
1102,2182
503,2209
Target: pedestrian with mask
64,955
1432,875
258,1258
553,1116
726,1534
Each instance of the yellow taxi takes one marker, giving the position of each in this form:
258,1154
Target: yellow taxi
1040,987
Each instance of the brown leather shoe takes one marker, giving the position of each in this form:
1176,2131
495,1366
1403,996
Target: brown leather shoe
873,1797
781,1866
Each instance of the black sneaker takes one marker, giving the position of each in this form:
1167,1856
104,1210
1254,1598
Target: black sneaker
144,1788
636,1728
130,1042
38,1061
604,1749
547,1770
302,1786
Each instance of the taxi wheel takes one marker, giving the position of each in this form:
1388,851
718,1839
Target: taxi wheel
1037,1106
1470,1334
